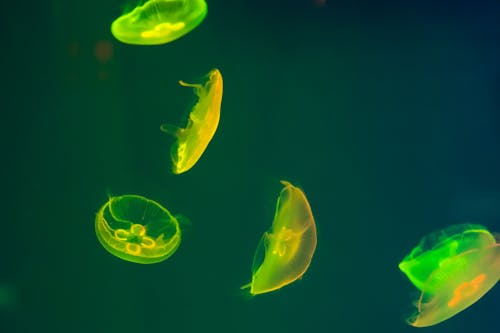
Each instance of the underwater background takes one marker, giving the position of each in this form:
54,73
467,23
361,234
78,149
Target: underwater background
386,114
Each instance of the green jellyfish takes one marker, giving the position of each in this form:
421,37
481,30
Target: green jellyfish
285,251
159,21
192,140
452,268
137,229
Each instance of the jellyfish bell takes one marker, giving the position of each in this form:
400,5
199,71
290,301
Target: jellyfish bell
453,269
475,273
284,253
137,229
159,21
192,140
435,249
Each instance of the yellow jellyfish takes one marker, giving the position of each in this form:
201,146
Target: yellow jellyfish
159,21
453,269
137,229
203,120
285,251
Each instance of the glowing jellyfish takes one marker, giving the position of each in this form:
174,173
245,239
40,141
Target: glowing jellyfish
202,123
159,21
137,229
285,251
453,269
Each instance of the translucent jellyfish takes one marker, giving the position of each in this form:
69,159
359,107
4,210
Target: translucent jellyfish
203,120
159,21
453,269
137,229
285,251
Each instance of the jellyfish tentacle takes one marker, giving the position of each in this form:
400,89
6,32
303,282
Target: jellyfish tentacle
171,129
192,85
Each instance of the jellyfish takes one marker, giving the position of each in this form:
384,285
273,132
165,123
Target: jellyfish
285,251
203,120
452,268
137,229
159,21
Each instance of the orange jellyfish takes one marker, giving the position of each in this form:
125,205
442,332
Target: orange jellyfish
285,251
453,269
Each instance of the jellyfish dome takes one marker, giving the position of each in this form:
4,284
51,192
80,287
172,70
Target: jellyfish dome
453,268
193,139
159,21
137,229
285,251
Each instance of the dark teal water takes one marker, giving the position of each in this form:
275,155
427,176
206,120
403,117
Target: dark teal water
387,115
